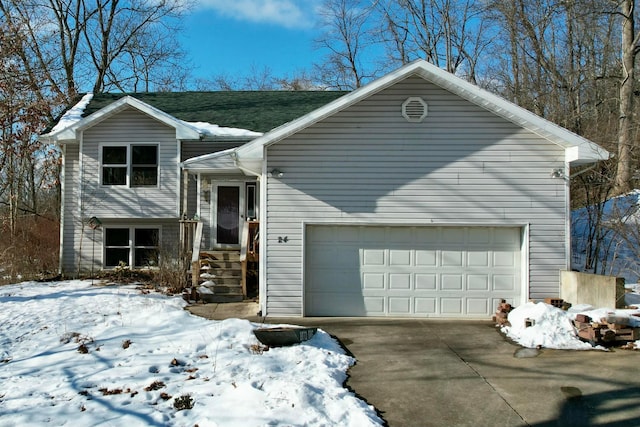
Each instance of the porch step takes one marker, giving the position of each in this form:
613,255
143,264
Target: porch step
226,269
218,298
220,255
222,265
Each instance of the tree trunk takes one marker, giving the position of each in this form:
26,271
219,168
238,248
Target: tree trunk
624,171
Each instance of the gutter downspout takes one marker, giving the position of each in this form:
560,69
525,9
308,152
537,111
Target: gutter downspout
63,148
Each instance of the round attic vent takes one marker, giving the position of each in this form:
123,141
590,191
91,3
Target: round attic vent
414,109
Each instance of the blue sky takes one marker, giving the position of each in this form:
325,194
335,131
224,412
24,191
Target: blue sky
229,37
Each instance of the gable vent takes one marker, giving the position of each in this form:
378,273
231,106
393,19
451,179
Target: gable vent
414,109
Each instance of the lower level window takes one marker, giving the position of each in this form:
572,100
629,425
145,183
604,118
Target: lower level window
137,247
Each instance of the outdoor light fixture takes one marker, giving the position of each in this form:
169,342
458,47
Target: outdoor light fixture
276,173
557,173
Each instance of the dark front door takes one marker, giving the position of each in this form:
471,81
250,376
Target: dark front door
227,214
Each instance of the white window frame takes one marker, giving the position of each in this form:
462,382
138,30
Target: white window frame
131,246
129,165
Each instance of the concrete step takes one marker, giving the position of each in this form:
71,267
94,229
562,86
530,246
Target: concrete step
214,264
218,268
209,298
226,289
226,281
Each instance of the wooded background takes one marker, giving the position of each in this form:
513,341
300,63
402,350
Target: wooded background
570,61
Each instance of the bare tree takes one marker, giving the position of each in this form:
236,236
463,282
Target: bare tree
626,125
96,44
50,50
447,33
346,37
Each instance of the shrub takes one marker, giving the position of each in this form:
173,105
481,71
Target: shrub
183,402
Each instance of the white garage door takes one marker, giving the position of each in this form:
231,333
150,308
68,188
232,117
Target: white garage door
410,271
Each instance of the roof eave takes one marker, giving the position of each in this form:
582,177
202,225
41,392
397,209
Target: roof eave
587,151
327,110
578,150
70,133
583,155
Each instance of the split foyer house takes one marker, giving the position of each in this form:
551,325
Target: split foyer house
416,195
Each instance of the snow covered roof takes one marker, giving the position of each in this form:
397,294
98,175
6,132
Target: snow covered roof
67,127
578,150
239,115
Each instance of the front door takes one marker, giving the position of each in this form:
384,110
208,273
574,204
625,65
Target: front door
228,215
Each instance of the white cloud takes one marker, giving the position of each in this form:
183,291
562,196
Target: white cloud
286,13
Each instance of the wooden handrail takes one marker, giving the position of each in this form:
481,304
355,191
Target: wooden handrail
244,241
197,239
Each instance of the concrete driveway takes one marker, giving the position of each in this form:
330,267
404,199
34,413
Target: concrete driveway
462,373
465,373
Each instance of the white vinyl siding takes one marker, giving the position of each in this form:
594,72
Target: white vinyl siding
121,206
127,128
71,222
366,164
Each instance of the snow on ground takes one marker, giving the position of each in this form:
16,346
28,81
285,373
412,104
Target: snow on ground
553,328
76,354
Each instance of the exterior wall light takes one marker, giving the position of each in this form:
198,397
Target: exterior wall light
277,173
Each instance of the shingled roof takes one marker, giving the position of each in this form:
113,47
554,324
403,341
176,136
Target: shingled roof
258,111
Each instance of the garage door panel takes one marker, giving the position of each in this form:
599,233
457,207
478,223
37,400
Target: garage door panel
374,306
479,236
334,280
451,282
504,282
453,235
427,234
477,306
373,257
373,281
426,282
504,259
452,259
395,271
425,306
400,281
478,258
451,306
426,258
337,304
478,282
400,257
399,306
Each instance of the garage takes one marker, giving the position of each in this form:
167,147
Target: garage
425,271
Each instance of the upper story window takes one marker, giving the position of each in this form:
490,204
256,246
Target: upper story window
133,165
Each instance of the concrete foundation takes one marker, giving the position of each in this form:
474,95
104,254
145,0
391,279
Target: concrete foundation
598,291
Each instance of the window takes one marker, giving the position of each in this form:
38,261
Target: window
114,165
119,246
251,201
144,165
116,246
135,165
145,247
